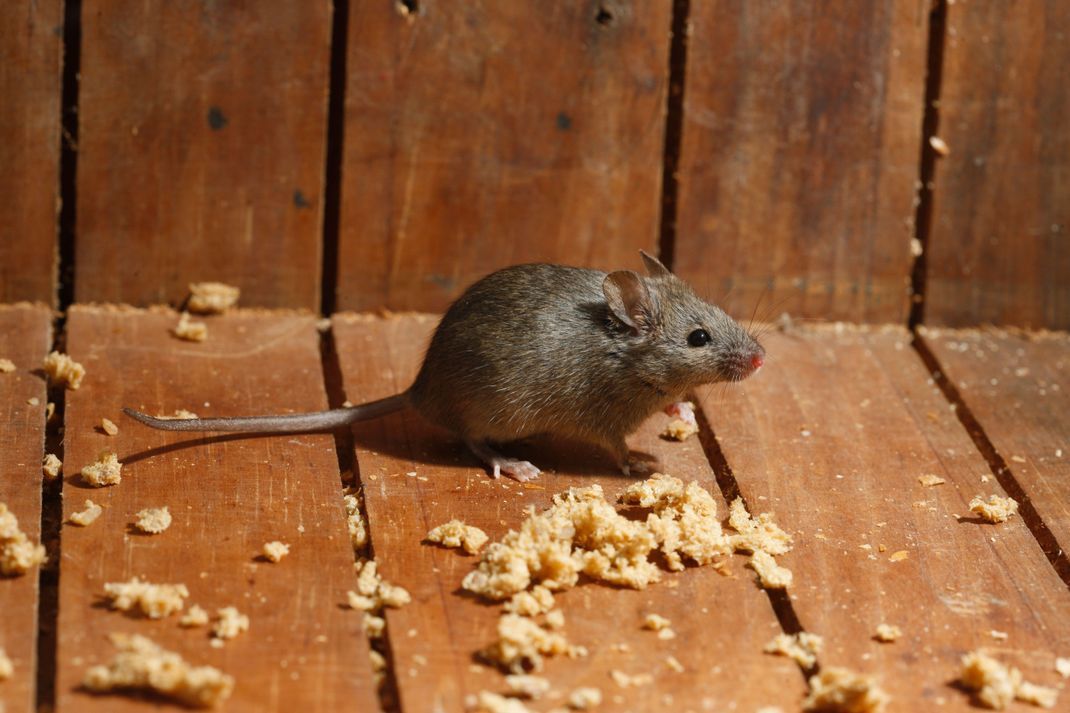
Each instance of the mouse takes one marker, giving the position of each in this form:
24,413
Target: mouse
543,349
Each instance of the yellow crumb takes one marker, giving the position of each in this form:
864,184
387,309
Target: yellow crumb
456,533
17,553
840,690
190,331
108,427
275,550
153,520
153,600
195,616
62,370
995,509
142,665
584,698
527,686
230,623
106,471
52,466
930,481
7,669
802,648
6,366
997,684
212,297
88,516
887,633
770,574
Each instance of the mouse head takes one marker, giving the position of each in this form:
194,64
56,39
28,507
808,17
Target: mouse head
677,340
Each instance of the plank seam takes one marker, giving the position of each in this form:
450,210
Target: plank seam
729,486
345,446
332,189
68,164
1044,537
674,121
923,216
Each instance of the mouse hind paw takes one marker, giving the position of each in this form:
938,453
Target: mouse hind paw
519,470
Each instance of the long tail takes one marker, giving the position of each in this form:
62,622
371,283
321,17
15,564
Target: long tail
290,423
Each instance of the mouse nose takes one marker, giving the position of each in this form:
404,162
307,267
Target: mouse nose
756,361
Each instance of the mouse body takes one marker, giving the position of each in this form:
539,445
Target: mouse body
548,349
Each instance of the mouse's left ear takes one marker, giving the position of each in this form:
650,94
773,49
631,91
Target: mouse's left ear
631,301
654,268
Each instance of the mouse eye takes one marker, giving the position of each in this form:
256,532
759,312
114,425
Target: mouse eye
698,338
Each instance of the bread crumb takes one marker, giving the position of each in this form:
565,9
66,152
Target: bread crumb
660,624
624,680
142,665
522,643
178,415
52,466
153,600
106,471
995,509
358,528
683,427
7,669
930,481
802,648
997,685
1063,667
999,635
33,401
488,702
230,623
62,370
527,686
88,516
6,366
585,698
455,533
840,690
50,410
674,663
108,427
153,520
538,600
939,145
275,550
372,592
17,553
755,534
196,616
770,574
898,556
190,331
555,620
887,633
211,297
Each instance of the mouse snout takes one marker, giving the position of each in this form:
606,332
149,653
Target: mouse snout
750,360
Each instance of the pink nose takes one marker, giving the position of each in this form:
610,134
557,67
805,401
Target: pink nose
756,362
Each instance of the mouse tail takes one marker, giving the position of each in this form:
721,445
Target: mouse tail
289,423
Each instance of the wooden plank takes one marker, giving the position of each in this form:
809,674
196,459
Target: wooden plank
228,496
799,155
1018,387
835,433
721,623
202,145
998,251
25,338
31,33
485,134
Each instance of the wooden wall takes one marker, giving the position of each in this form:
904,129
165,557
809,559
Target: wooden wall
469,136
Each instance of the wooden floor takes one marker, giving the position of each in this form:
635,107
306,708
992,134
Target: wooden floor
832,436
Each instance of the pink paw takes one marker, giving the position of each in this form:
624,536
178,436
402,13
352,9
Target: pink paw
684,410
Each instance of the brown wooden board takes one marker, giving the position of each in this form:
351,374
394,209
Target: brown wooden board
228,496
833,434
998,248
25,338
202,145
799,156
31,34
1018,388
416,477
484,134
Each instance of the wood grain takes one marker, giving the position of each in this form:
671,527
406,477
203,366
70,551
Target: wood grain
25,338
203,137
998,250
415,477
1018,388
228,496
833,435
485,134
799,156
31,34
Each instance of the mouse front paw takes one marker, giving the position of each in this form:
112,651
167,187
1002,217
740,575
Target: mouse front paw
519,470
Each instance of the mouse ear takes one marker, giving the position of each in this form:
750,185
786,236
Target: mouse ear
630,301
654,268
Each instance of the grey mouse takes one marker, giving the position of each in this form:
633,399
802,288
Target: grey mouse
546,349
